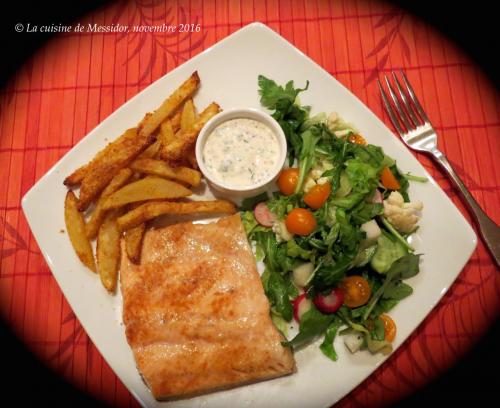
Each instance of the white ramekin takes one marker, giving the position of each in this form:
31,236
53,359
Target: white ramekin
241,113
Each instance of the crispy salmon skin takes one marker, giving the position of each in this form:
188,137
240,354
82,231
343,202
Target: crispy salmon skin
195,312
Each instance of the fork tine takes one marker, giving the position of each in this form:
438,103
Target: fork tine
389,109
409,108
414,98
402,114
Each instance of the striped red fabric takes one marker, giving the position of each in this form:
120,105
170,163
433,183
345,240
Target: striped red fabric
78,79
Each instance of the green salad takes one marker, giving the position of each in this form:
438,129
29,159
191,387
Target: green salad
334,238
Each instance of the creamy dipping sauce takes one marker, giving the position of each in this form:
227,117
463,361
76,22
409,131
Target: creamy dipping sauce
241,152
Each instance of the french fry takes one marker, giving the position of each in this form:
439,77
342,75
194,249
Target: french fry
76,177
175,120
191,158
133,242
188,116
108,250
151,151
185,140
97,216
109,162
75,225
148,188
166,135
169,106
152,210
162,169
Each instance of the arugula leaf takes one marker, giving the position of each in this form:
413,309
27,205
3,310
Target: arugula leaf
378,331
330,274
275,255
364,256
327,346
403,268
362,176
383,306
312,324
403,182
286,263
278,293
345,314
364,212
369,154
286,112
349,235
295,251
282,205
349,201
307,154
267,241
397,290
271,93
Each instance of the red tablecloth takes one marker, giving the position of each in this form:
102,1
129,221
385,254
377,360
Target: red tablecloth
78,79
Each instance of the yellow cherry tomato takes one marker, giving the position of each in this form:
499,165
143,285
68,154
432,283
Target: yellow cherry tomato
389,327
317,195
300,221
357,139
356,291
287,181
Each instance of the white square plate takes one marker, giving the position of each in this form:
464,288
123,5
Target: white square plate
228,74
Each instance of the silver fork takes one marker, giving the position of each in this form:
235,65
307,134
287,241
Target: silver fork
414,127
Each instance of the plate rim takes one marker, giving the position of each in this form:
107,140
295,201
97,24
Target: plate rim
35,188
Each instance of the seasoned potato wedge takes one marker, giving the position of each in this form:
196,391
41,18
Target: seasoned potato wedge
166,135
162,169
151,151
169,106
108,163
77,176
75,225
183,141
152,210
191,158
108,250
97,216
148,188
188,116
175,120
133,242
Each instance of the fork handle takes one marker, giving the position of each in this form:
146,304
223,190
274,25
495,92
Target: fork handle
488,230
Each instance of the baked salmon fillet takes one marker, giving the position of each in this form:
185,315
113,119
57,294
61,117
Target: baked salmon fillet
195,312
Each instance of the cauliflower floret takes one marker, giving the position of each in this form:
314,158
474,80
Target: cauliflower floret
281,232
308,184
403,216
332,120
315,174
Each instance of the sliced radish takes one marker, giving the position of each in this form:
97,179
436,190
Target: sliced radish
330,303
301,305
302,273
263,215
377,198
